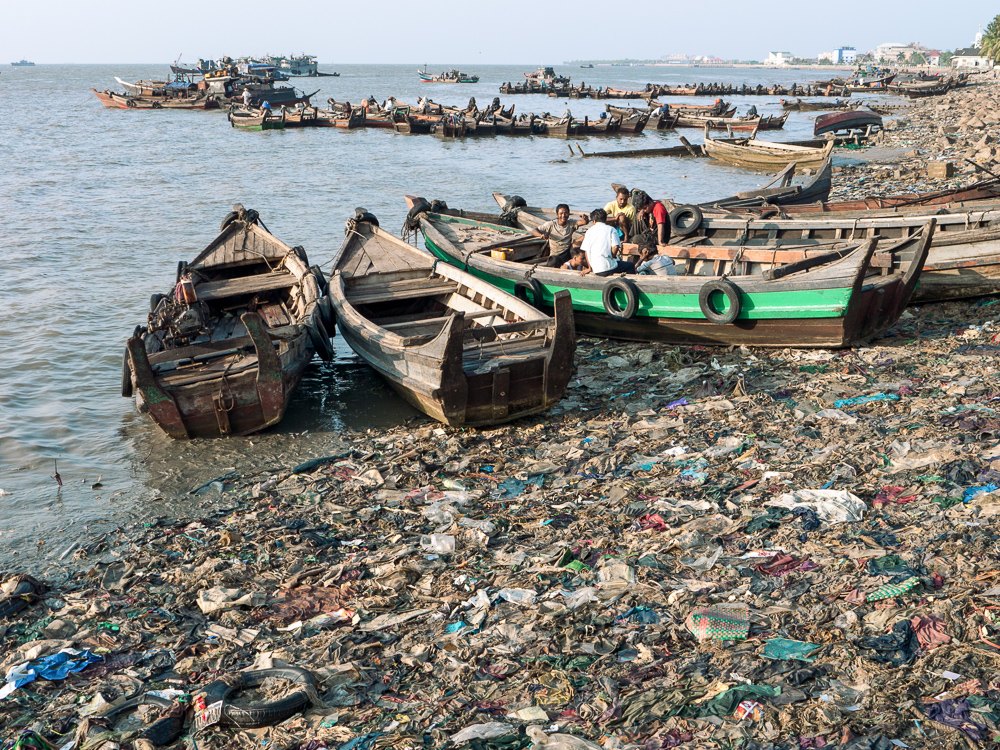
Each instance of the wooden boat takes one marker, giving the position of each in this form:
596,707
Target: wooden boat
963,260
457,348
305,117
253,119
921,90
801,106
754,154
115,100
855,119
339,118
449,126
875,84
780,192
736,124
773,296
223,352
610,93
451,76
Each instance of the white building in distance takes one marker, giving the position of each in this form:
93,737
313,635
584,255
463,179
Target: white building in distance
840,56
778,59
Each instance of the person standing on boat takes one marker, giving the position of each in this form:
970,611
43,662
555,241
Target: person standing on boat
559,233
246,96
602,244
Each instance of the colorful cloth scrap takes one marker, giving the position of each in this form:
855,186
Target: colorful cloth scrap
720,622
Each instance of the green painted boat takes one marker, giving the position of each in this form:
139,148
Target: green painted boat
754,295
250,120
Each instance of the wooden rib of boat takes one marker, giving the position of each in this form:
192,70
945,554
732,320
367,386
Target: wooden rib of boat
224,350
251,119
801,106
754,154
780,296
855,119
457,348
114,100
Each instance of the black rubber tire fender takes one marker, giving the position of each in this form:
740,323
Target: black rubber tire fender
163,731
419,206
126,381
524,287
627,288
321,280
267,714
319,337
732,293
326,314
300,253
154,300
362,214
230,218
685,220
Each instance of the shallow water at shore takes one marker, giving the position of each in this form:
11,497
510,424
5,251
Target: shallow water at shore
99,205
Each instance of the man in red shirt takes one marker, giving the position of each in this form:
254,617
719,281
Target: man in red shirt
654,220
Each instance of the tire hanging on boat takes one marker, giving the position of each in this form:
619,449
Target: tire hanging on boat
230,218
732,293
627,288
525,286
319,337
685,220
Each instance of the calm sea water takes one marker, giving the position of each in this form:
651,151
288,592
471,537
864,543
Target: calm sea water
98,205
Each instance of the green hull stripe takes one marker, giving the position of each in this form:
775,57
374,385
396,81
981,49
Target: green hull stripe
825,303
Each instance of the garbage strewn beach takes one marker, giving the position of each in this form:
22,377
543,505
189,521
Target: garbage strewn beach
697,545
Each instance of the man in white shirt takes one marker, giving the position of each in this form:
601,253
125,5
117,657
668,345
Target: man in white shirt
600,243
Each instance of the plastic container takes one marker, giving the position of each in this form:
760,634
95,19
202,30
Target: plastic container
439,544
500,253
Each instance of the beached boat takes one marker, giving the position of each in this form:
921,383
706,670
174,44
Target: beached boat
116,100
855,119
759,295
451,76
780,192
871,84
457,348
224,350
754,154
921,90
735,124
963,260
801,106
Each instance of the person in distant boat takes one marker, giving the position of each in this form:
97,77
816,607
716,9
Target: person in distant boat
390,104
577,261
246,97
603,244
266,105
621,213
559,233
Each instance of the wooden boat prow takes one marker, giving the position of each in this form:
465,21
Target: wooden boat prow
454,346
224,351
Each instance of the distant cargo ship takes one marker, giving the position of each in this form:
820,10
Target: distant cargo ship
21,63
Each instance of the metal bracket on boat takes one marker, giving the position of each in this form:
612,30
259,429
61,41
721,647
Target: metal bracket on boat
222,414
162,407
270,386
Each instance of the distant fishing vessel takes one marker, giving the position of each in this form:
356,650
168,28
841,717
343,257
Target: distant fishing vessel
452,76
22,63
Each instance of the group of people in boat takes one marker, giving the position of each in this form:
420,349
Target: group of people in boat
632,217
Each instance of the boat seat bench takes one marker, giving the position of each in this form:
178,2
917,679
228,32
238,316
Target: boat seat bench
391,295
265,282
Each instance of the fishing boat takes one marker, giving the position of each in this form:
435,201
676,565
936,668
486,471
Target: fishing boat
873,84
247,118
588,65
756,295
736,124
117,100
451,76
800,106
22,63
548,76
223,351
755,154
780,192
457,348
855,119
921,90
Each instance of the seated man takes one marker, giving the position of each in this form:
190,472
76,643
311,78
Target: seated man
620,213
559,233
651,263
652,225
600,243
577,261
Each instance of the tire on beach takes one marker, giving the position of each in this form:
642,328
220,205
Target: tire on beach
685,220
163,731
732,293
263,714
611,306
524,287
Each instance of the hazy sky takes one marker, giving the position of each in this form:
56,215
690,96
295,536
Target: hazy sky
398,31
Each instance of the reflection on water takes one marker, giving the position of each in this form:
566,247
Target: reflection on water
99,205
